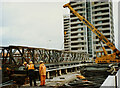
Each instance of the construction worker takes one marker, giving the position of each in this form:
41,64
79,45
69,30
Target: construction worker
0,68
26,68
25,64
31,73
8,71
42,72
0,74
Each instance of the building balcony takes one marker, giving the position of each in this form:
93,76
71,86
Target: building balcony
75,46
79,7
99,40
77,36
77,27
66,20
96,40
100,9
81,2
76,22
78,12
101,14
66,46
73,18
67,35
76,3
104,29
81,11
96,45
72,4
66,43
67,26
72,32
78,41
99,4
68,40
100,45
66,29
75,41
101,19
106,34
74,37
102,24
66,49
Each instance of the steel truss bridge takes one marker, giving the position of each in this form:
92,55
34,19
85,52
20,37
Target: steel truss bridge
18,54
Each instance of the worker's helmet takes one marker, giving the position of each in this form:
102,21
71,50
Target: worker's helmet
41,61
7,68
31,62
25,62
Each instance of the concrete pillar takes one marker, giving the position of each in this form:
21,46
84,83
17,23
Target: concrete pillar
75,69
71,69
48,75
65,71
56,73
60,72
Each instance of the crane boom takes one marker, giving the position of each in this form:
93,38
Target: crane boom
94,30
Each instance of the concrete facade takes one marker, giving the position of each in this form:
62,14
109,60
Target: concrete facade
66,32
98,13
119,25
102,14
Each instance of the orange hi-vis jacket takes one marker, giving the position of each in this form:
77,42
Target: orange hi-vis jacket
31,67
42,69
0,68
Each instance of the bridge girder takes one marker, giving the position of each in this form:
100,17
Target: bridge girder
18,54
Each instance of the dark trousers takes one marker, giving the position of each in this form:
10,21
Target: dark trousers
32,77
0,76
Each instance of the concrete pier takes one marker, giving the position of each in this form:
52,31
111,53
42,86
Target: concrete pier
64,69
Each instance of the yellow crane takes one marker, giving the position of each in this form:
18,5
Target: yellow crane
104,58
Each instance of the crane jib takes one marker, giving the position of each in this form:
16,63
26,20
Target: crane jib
88,24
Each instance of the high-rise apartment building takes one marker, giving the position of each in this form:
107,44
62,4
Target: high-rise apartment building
66,32
119,25
98,13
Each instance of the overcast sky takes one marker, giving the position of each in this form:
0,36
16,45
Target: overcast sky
33,23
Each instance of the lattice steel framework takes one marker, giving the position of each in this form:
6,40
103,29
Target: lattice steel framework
18,54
